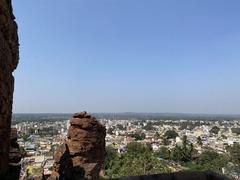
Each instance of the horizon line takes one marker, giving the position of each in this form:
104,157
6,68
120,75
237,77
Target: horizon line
183,113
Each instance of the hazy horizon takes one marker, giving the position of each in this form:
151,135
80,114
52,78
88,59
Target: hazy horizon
128,56
160,113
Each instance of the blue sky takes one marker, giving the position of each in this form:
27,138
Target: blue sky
128,56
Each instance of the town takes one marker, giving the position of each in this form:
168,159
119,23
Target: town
39,140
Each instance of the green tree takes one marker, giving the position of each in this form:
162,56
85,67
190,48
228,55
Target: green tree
170,134
23,151
234,152
111,156
134,148
149,127
110,131
120,127
207,156
191,151
176,154
185,150
139,159
183,153
236,130
211,160
165,141
215,130
157,135
138,136
184,141
25,137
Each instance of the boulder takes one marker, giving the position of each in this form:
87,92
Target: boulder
82,154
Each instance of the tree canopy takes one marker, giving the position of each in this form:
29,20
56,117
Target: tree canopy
215,130
138,159
170,134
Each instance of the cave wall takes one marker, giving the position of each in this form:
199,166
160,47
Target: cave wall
9,56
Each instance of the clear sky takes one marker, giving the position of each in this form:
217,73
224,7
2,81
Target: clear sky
128,56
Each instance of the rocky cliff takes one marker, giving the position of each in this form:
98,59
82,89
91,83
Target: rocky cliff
82,155
15,156
9,56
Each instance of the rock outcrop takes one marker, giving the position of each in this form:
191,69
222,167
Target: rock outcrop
9,56
82,155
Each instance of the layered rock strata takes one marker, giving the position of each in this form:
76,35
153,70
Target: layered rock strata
9,56
82,155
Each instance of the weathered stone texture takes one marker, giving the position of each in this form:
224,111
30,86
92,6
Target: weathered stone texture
178,176
9,56
15,156
82,155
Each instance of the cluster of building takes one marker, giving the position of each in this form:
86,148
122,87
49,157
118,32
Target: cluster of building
39,140
119,137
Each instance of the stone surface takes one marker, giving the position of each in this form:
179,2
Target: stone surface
9,56
82,155
178,176
15,156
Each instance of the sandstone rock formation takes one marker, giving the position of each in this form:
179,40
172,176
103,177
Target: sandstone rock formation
9,56
82,155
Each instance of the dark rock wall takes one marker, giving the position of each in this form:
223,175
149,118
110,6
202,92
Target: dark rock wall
15,156
178,176
9,56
